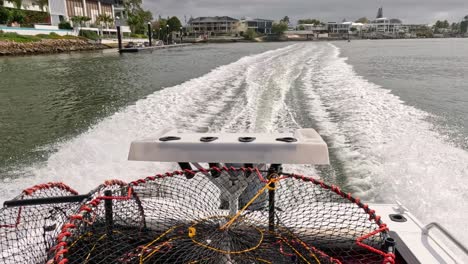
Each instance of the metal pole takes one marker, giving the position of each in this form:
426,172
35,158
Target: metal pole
167,34
272,172
119,38
48,200
109,214
150,34
181,32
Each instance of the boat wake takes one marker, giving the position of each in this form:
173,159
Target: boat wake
381,149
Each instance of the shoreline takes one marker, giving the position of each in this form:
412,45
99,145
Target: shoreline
55,46
47,46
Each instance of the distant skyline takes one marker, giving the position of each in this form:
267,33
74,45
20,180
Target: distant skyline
409,11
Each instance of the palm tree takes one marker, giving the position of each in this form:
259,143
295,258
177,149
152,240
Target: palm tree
105,19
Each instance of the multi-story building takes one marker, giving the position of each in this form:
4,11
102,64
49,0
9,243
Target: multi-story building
339,28
89,8
262,26
385,25
218,25
62,10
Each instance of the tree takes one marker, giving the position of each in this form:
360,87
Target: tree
105,19
160,28
174,24
5,15
464,27
80,20
455,27
137,16
314,22
279,28
363,20
285,20
18,16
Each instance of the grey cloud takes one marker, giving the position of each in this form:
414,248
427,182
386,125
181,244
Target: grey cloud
410,11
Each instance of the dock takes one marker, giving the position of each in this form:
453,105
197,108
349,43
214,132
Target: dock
138,49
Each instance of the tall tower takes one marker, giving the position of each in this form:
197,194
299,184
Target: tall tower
380,13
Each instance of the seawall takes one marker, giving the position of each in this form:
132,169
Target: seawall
47,46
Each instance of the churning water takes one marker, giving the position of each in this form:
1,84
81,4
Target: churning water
383,148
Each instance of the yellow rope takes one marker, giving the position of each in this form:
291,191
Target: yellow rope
267,186
260,241
159,247
259,259
301,242
94,246
154,241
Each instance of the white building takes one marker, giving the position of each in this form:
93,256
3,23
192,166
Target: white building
344,27
385,25
63,10
259,25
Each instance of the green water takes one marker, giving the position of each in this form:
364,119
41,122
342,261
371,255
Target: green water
50,98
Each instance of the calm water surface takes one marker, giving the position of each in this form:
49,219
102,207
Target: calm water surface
429,74
45,99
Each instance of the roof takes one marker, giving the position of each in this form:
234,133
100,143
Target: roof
212,19
258,20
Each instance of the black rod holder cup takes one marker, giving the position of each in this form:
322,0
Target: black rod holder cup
109,213
389,245
119,38
272,172
150,34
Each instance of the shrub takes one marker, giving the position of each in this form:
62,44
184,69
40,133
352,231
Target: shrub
18,38
35,17
4,15
18,16
65,25
89,34
250,34
133,35
52,35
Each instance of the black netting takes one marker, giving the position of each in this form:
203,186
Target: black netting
28,233
175,220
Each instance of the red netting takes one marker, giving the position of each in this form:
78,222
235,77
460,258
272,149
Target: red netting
169,219
27,233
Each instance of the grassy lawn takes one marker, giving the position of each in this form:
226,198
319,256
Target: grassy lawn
21,38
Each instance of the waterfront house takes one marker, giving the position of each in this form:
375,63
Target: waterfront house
209,26
261,26
383,25
313,27
63,10
339,28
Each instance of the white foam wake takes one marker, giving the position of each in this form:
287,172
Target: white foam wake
387,149
101,153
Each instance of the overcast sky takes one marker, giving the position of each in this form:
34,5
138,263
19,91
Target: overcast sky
410,11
